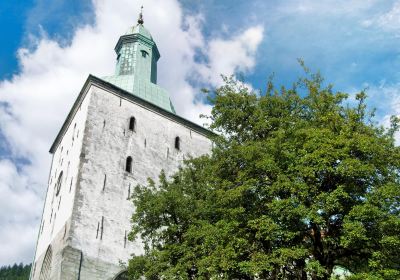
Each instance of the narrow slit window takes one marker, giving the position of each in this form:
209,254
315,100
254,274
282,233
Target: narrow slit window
59,182
65,230
102,228
98,228
41,231
128,166
104,182
132,124
73,132
70,185
177,143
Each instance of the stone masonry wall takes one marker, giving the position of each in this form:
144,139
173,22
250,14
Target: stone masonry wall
57,210
102,211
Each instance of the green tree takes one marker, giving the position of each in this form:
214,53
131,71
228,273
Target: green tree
15,272
299,181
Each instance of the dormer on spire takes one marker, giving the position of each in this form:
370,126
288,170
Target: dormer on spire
140,20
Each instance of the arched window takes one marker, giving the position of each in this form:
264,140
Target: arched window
144,53
121,276
177,143
128,166
59,183
46,265
132,124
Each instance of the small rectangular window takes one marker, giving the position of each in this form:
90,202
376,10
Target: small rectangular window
132,124
177,143
128,166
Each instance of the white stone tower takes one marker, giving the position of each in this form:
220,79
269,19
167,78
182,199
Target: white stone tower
121,130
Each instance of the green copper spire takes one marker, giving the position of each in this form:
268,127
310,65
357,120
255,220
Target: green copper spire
136,66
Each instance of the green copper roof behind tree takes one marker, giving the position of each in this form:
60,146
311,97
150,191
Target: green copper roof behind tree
136,68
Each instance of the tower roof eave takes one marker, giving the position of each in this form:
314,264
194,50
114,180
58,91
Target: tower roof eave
139,29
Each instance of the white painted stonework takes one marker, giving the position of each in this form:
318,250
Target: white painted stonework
93,216
85,224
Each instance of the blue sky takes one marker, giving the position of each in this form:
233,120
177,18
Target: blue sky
20,19
348,53
355,44
11,14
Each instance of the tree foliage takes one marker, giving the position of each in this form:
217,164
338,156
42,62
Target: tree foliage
299,181
15,272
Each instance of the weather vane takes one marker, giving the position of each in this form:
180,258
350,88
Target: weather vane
140,20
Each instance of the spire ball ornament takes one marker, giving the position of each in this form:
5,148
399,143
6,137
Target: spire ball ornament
140,20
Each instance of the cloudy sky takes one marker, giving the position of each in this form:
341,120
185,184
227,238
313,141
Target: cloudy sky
49,47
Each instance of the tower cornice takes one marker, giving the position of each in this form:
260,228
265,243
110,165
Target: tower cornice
136,37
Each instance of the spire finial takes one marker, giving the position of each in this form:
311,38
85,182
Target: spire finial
140,20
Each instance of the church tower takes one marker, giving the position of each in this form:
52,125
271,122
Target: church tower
121,130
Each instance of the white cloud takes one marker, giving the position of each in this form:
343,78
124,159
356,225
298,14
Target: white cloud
232,55
388,21
386,99
18,216
383,98
327,8
38,99
391,20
